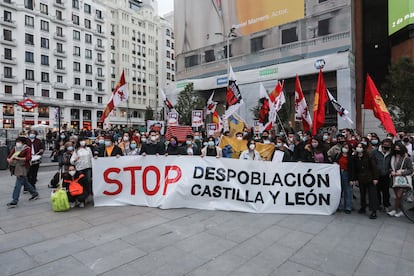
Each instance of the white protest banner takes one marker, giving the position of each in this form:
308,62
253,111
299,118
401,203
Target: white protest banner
155,125
197,118
217,184
172,118
211,129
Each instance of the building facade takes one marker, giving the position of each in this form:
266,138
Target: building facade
265,43
54,53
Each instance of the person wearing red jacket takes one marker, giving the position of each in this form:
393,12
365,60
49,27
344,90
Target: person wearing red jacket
19,159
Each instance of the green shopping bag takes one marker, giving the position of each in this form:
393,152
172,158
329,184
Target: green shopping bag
59,199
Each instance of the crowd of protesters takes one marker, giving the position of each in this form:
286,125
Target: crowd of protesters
365,162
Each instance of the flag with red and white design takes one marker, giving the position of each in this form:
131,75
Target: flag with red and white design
119,95
265,123
211,105
277,97
166,101
301,108
233,97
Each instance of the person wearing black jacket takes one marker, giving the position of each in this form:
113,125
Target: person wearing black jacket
172,147
299,152
344,160
190,147
364,171
75,176
153,146
110,149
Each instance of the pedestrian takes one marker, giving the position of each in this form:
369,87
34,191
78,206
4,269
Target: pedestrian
82,159
19,159
37,149
344,160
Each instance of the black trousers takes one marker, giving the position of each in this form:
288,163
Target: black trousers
32,174
383,188
370,189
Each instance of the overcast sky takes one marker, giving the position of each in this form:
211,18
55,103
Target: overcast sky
165,6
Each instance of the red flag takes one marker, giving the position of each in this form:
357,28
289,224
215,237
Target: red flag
321,97
301,108
119,95
264,110
166,101
374,101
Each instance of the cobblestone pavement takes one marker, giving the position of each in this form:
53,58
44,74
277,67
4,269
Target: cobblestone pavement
132,240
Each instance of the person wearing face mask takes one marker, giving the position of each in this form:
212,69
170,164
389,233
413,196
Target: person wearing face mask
124,144
68,149
74,176
337,148
198,139
37,149
315,152
364,172
265,137
173,147
134,150
250,153
82,159
110,149
406,142
211,149
344,160
190,148
19,159
282,152
382,157
153,146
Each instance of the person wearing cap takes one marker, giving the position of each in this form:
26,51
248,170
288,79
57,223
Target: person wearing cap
153,146
110,149
37,148
19,159
190,148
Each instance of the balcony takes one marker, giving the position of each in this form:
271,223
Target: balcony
8,60
58,19
99,77
60,37
10,42
100,48
59,53
60,85
112,33
8,22
59,70
8,78
112,47
99,18
99,62
59,4
9,4
112,61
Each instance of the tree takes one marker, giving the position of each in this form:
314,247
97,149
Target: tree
149,113
398,90
188,100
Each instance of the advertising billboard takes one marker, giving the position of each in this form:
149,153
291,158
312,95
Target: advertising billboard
400,14
199,23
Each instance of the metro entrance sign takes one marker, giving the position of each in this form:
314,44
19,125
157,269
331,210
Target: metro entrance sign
28,104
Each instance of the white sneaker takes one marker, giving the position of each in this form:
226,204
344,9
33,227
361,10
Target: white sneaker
392,213
81,205
399,214
72,204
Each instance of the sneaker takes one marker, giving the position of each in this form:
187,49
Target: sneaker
72,204
399,214
34,196
392,213
25,191
12,204
81,205
387,209
347,212
373,215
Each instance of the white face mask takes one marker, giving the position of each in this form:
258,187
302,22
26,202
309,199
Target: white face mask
252,146
72,173
19,145
239,138
82,143
344,150
126,138
359,150
153,138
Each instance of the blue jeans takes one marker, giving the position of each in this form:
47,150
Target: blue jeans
22,181
346,194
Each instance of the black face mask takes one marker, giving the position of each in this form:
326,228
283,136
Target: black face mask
397,151
386,148
406,140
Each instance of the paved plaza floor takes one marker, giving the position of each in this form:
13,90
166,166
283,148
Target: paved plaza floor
132,240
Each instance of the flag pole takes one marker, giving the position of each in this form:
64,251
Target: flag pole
281,125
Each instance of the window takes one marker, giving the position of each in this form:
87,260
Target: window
99,84
98,14
7,35
45,77
88,98
99,42
8,72
59,47
44,25
28,38
44,60
76,35
256,44
88,53
208,56
58,15
8,89
7,16
87,23
29,21
29,91
168,54
59,31
59,79
99,28
99,56
29,74
88,69
76,51
99,101
44,8
77,96
76,66
87,8
289,35
77,81
45,93
59,63
88,83
28,4
59,95
191,61
75,19
323,27
44,43
100,72
75,4
8,53
88,38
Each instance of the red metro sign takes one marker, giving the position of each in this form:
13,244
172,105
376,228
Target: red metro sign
28,104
